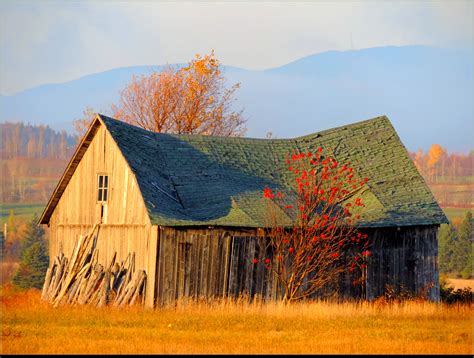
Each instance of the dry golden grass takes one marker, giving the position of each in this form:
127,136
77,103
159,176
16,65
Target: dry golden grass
29,326
458,283
7,270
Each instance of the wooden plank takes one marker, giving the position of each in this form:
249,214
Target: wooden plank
227,247
219,265
234,267
151,269
187,269
180,270
193,265
174,255
169,270
213,240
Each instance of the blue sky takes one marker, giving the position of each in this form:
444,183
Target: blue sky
51,41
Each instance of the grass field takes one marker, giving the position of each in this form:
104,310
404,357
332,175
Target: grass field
29,326
458,283
21,211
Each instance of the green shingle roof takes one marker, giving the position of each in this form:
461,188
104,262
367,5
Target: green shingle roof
189,180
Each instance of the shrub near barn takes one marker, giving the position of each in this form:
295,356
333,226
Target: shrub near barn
323,241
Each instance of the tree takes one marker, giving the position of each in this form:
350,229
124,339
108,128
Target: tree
41,141
33,266
447,238
434,156
63,149
32,147
33,258
464,246
82,124
418,160
32,235
192,100
456,248
322,241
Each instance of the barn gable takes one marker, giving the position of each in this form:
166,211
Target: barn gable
75,202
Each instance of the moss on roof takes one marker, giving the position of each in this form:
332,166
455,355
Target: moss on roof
189,180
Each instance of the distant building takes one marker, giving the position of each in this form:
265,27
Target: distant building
190,206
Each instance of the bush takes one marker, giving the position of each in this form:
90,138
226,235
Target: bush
450,295
33,267
400,293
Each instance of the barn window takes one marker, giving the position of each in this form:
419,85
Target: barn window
103,187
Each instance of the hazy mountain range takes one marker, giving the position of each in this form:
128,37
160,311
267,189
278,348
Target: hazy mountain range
426,92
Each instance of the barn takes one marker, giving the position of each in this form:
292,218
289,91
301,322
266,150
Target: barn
190,207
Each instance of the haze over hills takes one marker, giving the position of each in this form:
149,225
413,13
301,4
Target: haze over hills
426,92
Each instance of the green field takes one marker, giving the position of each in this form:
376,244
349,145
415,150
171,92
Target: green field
21,211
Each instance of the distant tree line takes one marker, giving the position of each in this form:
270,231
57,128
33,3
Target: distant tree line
439,166
32,158
19,140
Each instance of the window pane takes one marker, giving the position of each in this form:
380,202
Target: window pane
101,177
105,194
100,195
106,181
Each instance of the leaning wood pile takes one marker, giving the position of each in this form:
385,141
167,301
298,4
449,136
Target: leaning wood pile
82,280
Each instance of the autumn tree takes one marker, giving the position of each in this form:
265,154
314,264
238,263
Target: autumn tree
435,154
418,160
82,124
322,240
191,99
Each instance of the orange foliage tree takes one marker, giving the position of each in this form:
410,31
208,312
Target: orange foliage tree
82,124
192,100
323,241
439,166
435,154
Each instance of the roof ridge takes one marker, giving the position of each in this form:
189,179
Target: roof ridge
310,135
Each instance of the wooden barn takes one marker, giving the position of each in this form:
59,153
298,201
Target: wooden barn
190,207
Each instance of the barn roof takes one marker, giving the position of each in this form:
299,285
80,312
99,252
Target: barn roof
189,180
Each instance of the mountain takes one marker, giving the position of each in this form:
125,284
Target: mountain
426,92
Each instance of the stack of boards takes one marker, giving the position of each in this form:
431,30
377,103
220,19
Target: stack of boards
82,280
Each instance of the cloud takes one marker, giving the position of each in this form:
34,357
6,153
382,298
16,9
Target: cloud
45,41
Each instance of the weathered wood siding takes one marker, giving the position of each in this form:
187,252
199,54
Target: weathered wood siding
209,263
404,258
125,227
218,263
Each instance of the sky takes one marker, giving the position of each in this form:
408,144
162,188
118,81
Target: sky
52,41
